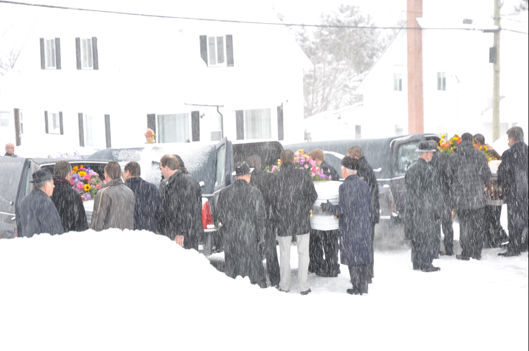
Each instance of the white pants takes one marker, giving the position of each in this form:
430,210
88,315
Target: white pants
303,261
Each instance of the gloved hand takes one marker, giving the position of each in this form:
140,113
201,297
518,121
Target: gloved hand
325,207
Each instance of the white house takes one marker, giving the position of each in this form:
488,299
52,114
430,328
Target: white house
457,75
99,80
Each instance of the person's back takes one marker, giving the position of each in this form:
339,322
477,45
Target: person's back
513,173
114,203
70,206
148,209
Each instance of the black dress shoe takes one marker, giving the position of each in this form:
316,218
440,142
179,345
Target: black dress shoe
477,257
509,254
463,258
431,269
306,292
353,292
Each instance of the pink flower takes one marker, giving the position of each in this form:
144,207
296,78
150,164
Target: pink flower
83,198
104,181
72,182
86,177
98,186
306,166
80,186
313,174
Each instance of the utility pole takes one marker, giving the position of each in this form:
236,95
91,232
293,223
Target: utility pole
496,73
415,68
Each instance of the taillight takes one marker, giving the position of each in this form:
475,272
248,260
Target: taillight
207,218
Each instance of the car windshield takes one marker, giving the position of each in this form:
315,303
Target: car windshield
406,157
9,180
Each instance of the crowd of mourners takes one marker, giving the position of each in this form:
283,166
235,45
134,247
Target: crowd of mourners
260,210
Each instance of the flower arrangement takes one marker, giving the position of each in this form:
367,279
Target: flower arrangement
86,182
304,162
449,146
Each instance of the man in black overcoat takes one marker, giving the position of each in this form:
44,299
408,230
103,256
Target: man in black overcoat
148,210
293,195
182,205
423,210
469,176
512,177
440,163
366,173
262,181
324,241
36,212
241,216
68,201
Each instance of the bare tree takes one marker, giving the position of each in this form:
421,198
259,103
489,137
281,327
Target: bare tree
7,61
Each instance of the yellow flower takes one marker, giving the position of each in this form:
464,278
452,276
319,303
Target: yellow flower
485,147
82,174
75,169
457,136
443,136
87,187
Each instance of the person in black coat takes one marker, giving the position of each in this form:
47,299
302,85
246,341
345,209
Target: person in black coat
262,181
182,205
241,219
148,210
36,212
440,163
366,173
423,210
469,176
292,197
324,242
68,201
512,177
355,210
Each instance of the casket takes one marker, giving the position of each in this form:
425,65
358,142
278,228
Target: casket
494,192
327,190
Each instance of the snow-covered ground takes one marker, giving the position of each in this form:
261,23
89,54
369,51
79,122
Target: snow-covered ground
135,290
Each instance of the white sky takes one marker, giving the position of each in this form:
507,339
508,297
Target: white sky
136,290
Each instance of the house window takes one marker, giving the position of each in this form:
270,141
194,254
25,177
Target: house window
4,119
54,124
216,50
358,132
50,57
173,128
95,131
399,130
86,52
441,81
258,124
215,127
397,81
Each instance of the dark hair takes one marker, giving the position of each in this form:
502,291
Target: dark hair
181,165
355,151
350,163
134,168
61,169
254,161
479,138
317,154
113,170
286,156
515,133
467,137
170,161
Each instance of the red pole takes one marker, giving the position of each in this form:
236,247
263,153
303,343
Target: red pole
415,81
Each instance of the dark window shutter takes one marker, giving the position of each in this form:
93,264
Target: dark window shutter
46,122
60,123
58,53
239,121
42,57
81,130
151,122
94,53
107,130
18,130
280,130
204,48
229,50
78,53
195,125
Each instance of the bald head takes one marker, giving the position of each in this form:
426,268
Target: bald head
10,149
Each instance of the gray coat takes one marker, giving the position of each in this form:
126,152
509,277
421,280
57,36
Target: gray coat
469,173
423,203
37,214
113,207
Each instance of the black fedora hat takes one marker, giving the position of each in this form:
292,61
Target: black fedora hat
424,147
241,169
41,175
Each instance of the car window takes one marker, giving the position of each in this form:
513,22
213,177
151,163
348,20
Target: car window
221,165
9,180
406,157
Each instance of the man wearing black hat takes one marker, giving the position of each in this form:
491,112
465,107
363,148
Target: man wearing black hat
36,212
355,211
241,219
423,210
469,175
